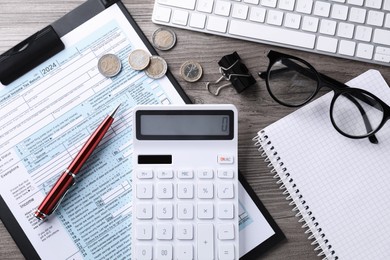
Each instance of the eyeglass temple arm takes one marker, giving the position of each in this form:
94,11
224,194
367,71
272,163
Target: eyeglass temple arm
334,83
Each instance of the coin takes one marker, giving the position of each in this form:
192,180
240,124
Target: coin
191,71
109,65
157,67
164,39
139,59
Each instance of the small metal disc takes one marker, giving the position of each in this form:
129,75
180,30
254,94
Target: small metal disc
191,71
109,65
139,59
164,39
157,67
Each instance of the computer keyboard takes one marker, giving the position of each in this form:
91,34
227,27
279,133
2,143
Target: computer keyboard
352,29
185,181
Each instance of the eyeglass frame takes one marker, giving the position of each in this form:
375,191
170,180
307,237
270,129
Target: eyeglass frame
325,81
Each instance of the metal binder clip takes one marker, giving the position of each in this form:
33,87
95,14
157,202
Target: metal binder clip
234,71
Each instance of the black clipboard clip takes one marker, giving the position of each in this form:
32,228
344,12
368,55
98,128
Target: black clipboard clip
28,54
233,70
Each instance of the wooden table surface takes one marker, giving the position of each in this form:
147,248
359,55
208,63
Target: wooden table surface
21,18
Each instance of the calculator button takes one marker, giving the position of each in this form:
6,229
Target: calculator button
205,241
185,232
226,211
144,252
205,190
164,211
205,174
226,252
165,174
225,174
164,231
226,231
144,190
185,174
165,190
205,211
185,190
225,190
164,252
185,252
144,231
144,211
185,211
144,174
225,159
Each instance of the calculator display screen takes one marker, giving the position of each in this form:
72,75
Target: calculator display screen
185,125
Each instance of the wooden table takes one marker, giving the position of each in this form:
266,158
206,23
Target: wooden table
21,18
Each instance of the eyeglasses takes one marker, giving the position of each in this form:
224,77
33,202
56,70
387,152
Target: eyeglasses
293,82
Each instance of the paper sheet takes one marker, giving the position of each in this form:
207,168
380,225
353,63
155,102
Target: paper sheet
47,115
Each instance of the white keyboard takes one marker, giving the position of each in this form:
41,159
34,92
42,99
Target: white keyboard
352,29
185,195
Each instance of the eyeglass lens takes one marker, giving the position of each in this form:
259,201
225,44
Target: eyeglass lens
356,113
291,82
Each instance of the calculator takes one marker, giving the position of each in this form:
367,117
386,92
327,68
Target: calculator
185,183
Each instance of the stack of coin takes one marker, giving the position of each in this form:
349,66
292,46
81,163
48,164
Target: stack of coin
155,67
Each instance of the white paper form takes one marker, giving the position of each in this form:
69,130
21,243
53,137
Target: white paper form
48,114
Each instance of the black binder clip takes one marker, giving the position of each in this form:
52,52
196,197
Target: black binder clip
233,70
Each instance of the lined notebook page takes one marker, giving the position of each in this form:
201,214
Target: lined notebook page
345,182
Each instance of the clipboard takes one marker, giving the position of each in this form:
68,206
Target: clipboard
53,33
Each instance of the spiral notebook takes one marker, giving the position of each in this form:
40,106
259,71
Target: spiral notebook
339,186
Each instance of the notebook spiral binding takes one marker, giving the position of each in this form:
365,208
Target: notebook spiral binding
295,197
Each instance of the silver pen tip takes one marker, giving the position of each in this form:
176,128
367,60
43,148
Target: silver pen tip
115,110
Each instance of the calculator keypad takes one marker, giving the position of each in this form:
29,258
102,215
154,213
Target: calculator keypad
186,213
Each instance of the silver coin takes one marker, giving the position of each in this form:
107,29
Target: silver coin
164,39
109,65
157,67
191,71
139,59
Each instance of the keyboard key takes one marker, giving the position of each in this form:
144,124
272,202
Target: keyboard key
185,231
165,174
180,17
205,174
185,174
226,210
144,252
240,11
355,2
165,190
292,20
254,2
382,36
226,231
185,211
310,24
185,252
322,8
144,211
328,27
373,3
347,47
144,190
185,190
257,14
164,231
222,8
382,54
144,231
286,5
363,33
164,211
375,18
274,34
268,3
339,12
345,30
205,211
162,14
205,6
225,173
226,252
327,44
364,51
225,190
387,22
187,4
205,241
205,190
164,252
145,174
357,15
275,17
304,6
386,5
198,21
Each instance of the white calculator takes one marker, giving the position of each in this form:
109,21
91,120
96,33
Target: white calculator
185,183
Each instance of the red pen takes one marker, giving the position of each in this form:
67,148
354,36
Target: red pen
67,178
